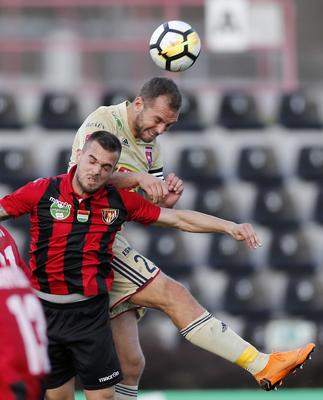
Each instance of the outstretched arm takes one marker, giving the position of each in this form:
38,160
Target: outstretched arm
193,221
3,214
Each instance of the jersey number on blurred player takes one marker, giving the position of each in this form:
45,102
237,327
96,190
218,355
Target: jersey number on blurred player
28,314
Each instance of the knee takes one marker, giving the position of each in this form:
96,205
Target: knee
173,291
132,367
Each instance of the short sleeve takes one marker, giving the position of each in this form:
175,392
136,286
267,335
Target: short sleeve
139,209
25,198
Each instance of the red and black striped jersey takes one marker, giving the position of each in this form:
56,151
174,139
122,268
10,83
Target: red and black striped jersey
71,237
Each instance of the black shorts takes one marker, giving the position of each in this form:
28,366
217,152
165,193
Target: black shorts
80,343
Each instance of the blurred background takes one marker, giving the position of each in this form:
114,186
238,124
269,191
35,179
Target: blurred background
248,145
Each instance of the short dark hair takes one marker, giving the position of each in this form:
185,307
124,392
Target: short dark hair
160,86
106,139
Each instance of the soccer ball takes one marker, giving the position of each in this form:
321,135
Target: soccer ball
175,46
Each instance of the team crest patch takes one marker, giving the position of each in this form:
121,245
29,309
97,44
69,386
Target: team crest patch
149,155
109,215
82,215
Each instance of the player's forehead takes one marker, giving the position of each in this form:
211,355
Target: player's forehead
95,151
160,107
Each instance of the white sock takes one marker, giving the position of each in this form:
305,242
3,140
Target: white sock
125,392
216,337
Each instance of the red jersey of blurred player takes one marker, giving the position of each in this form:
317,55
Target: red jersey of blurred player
23,345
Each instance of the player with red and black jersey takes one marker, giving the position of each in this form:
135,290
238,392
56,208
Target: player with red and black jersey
23,354
74,219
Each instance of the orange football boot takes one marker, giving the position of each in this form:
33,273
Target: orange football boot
281,364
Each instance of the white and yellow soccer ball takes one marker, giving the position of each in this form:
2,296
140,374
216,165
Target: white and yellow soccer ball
175,46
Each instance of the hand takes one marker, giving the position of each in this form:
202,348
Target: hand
245,232
155,188
175,188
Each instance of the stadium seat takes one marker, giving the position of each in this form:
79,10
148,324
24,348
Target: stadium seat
61,161
274,207
16,167
199,165
9,117
318,207
115,96
189,119
169,252
244,297
258,164
229,255
215,201
304,296
239,110
297,111
310,164
59,111
291,252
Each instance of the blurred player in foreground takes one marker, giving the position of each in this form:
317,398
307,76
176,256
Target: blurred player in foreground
137,125
23,355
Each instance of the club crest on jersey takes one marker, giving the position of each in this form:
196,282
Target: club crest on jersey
82,215
149,155
109,215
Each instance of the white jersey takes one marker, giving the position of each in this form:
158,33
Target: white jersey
136,155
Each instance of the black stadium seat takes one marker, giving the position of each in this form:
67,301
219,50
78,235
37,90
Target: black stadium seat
243,297
291,252
116,96
274,207
310,164
258,164
169,252
239,110
199,165
215,201
304,296
9,116
189,119
318,207
297,111
16,166
62,161
59,111
229,255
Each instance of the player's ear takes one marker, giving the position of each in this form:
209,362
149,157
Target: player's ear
138,104
78,155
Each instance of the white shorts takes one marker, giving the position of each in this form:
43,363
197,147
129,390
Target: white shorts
132,272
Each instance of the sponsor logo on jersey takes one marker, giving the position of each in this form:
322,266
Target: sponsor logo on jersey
109,215
119,123
149,155
125,142
59,209
82,215
109,377
126,251
95,125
